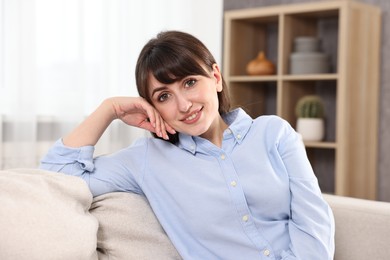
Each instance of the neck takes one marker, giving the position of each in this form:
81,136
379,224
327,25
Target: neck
215,134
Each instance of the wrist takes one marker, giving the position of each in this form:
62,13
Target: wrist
109,108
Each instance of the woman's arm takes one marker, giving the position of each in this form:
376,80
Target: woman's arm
73,155
311,225
134,111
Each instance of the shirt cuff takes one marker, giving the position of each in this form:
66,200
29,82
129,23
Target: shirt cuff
83,155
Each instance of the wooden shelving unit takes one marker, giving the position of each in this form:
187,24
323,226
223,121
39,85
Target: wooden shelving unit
346,161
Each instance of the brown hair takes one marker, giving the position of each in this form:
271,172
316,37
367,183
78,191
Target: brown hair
172,56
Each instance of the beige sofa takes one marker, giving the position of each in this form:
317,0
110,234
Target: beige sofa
47,215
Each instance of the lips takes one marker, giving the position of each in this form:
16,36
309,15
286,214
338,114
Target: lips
192,117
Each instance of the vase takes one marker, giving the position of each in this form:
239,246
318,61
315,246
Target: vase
311,129
260,66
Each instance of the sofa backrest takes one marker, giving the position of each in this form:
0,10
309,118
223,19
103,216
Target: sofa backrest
47,215
362,228
128,229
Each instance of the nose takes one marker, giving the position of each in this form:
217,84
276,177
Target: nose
183,103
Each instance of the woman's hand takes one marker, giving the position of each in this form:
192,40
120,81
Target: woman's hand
136,111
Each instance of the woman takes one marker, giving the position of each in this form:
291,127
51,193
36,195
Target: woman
223,185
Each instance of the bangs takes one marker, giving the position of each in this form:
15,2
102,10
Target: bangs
169,66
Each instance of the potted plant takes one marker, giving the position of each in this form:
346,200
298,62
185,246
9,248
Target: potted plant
310,118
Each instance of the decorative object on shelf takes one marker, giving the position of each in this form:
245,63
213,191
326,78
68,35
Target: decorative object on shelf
307,57
310,118
260,66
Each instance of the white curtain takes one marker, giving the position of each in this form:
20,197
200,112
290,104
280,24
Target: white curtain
60,58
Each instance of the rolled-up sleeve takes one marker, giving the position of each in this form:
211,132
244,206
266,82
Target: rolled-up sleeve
103,174
69,160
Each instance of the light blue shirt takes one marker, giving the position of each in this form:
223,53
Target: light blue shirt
255,198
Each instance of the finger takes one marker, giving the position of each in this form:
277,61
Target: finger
157,123
170,129
164,130
151,117
147,126
161,129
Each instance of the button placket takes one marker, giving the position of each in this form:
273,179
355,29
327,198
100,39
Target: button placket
238,198
234,184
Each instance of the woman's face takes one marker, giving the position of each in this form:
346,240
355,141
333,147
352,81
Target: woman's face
190,105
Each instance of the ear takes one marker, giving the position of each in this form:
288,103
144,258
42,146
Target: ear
218,77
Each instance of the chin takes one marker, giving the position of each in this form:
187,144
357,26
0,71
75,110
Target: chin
194,133
195,130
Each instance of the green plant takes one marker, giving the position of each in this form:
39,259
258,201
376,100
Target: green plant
310,106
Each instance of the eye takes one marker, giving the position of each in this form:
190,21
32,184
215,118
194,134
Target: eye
190,82
163,97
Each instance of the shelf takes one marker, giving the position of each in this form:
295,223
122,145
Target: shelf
249,36
350,91
324,145
252,78
311,77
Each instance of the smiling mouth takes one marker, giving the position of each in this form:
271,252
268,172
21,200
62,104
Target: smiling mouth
191,117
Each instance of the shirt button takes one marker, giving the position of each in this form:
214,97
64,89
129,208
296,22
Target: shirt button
233,183
222,156
238,136
266,252
245,218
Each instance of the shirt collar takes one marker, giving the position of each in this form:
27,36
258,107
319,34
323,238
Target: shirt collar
239,123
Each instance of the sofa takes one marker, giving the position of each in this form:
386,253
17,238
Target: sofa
46,215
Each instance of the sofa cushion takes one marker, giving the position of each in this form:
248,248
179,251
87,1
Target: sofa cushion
362,228
45,215
128,229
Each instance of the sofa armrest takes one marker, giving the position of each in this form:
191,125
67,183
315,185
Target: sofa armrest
362,228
